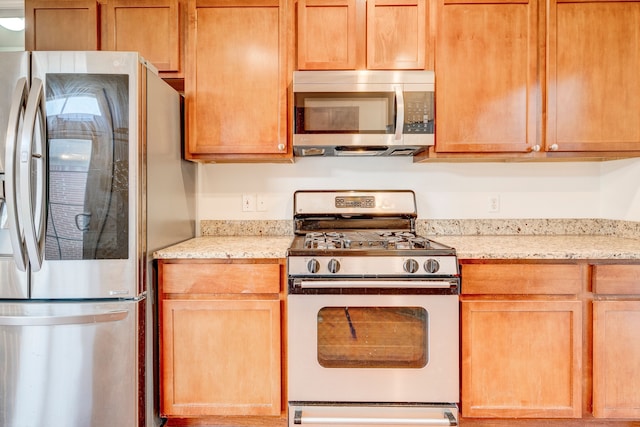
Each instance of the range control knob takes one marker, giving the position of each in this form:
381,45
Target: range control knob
333,266
411,265
313,266
431,265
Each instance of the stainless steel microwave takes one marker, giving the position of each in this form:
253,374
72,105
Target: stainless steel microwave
363,113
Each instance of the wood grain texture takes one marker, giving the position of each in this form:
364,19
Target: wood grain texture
487,100
521,359
236,80
61,25
151,27
593,62
523,279
616,359
616,279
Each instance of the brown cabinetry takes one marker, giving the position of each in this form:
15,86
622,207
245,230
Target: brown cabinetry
593,61
358,34
487,95
616,341
221,338
61,25
522,340
237,79
151,27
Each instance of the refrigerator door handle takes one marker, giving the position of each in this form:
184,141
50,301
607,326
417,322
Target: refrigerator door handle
79,319
18,101
33,209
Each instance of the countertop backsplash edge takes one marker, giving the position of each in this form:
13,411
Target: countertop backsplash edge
449,227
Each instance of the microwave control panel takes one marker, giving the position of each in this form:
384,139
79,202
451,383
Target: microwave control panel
418,112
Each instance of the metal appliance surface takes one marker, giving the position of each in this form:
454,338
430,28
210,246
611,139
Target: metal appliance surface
372,314
363,113
83,209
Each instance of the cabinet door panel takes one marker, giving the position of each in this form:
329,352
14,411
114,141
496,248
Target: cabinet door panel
486,92
396,34
327,34
521,359
616,356
61,25
150,27
594,58
220,357
236,80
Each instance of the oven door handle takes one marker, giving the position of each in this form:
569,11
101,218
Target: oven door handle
399,284
448,420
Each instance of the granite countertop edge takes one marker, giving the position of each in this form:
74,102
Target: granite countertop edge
473,239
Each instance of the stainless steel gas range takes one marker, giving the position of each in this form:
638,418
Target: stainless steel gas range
372,314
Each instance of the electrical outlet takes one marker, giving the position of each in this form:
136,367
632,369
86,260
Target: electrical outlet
261,203
248,202
493,203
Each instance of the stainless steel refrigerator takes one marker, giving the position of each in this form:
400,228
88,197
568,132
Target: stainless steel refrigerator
93,182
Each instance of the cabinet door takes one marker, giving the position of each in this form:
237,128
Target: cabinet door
521,359
61,24
151,27
396,34
330,34
220,357
237,79
593,77
487,76
616,356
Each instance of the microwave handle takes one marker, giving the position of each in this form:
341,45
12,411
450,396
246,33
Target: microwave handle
400,115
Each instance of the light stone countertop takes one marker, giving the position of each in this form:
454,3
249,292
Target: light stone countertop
467,247
228,247
543,247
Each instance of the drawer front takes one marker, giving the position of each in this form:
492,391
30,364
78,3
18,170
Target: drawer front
616,279
512,279
205,278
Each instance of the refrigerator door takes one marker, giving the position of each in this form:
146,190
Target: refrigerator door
14,90
71,364
94,242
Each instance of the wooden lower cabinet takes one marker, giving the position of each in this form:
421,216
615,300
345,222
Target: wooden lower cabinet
221,339
521,348
521,358
616,341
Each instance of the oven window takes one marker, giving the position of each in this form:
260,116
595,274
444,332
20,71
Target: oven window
372,337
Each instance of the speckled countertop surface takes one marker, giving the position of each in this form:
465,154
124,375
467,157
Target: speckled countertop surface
543,247
228,247
473,239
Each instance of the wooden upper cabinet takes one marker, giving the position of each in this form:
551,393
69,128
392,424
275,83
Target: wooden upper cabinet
487,77
396,34
328,32
237,79
151,27
61,25
593,78
359,34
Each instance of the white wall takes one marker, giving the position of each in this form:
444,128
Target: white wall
444,190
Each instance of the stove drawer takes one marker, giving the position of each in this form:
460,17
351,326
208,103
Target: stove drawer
372,415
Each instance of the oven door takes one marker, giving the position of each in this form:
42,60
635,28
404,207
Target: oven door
373,348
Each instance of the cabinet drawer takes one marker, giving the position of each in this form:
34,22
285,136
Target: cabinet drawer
220,278
616,279
514,279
